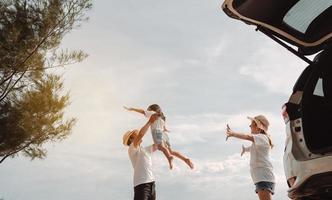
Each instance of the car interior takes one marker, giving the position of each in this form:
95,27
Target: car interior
317,106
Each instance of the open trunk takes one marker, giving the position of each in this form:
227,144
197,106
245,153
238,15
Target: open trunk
306,24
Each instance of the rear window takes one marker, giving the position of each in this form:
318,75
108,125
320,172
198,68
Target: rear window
303,23
304,12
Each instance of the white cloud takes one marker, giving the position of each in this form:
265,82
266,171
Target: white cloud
231,165
274,67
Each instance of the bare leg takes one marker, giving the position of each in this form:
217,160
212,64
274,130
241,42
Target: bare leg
182,157
264,195
167,154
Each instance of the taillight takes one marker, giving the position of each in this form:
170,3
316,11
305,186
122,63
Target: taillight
291,181
285,114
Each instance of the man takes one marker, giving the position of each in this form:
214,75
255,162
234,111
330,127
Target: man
140,157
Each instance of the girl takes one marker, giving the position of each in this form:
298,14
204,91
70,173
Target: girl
160,136
260,164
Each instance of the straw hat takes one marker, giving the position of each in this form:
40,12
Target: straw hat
126,136
261,122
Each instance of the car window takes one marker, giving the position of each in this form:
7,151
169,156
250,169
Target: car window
303,23
304,12
318,91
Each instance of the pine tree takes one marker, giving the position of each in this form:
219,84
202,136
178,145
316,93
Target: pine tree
32,100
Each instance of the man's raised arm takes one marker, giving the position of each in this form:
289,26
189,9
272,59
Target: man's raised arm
143,130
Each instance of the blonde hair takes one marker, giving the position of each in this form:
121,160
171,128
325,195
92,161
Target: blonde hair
268,136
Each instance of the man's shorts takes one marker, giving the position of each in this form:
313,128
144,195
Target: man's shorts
145,191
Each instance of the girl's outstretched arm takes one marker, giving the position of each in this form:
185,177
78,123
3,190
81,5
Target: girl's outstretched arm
231,133
135,110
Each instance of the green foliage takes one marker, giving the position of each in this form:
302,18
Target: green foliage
31,104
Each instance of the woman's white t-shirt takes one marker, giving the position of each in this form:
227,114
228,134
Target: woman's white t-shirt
260,164
141,159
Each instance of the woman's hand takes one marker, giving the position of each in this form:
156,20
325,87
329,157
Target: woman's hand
243,150
229,132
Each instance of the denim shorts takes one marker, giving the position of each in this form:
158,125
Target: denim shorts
157,137
264,185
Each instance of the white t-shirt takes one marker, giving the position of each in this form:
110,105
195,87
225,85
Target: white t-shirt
142,163
156,125
260,164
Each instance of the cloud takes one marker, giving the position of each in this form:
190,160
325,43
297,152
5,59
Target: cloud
275,68
231,165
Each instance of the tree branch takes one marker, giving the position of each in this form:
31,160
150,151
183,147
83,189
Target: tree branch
15,151
20,148
52,31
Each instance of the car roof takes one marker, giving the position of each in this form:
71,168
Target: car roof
306,24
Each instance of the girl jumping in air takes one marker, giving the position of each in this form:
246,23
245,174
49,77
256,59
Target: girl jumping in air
159,135
260,164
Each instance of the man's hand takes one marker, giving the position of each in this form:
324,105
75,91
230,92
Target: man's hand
143,130
153,118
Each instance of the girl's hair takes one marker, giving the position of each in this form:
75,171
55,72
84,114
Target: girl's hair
156,108
268,136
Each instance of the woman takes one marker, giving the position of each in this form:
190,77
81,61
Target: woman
260,164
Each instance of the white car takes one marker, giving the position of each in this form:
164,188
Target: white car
308,118
306,24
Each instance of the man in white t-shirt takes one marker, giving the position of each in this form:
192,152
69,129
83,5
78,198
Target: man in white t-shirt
140,157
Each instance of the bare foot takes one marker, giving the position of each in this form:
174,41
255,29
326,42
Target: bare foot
170,162
189,163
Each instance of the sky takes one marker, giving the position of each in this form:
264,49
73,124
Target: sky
203,68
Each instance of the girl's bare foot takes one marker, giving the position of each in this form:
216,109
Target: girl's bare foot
189,163
170,162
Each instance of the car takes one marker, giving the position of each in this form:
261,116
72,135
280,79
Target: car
307,26
308,118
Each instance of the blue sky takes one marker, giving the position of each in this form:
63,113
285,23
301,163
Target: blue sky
203,68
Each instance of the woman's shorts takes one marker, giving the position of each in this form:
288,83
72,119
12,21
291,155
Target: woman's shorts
157,137
265,185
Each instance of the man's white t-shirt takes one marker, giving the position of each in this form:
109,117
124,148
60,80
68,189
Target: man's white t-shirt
260,164
142,163
156,125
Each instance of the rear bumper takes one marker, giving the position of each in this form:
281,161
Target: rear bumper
313,177
318,186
